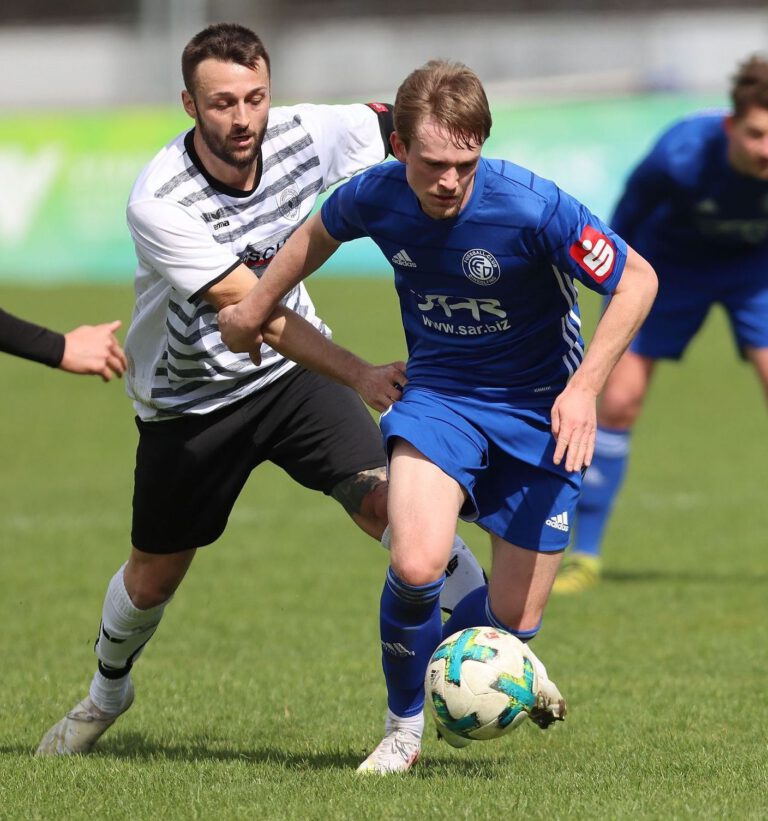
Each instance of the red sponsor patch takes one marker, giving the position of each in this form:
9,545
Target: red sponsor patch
595,253
379,108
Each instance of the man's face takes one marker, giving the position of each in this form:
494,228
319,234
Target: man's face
230,108
438,171
748,142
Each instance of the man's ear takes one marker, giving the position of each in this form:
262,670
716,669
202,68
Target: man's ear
189,104
398,147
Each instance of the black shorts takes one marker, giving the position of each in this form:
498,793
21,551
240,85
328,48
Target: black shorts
190,471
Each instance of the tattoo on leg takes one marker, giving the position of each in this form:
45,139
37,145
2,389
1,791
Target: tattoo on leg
351,492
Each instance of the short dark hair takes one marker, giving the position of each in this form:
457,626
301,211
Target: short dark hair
228,42
449,92
750,86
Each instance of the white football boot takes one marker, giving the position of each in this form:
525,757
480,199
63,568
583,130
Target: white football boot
550,704
397,752
81,728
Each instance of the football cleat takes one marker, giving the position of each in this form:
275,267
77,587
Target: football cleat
580,573
81,728
397,752
550,705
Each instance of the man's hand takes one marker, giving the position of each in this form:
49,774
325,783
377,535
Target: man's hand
94,349
240,334
574,423
380,385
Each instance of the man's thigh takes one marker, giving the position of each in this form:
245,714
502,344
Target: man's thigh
190,471
677,314
326,434
747,308
524,498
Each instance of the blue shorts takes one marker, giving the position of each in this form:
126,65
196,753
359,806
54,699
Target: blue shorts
501,455
686,294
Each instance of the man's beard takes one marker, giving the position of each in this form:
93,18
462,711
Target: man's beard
219,148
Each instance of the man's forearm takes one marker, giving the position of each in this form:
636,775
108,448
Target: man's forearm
617,327
299,340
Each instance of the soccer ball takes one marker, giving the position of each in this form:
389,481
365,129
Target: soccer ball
480,683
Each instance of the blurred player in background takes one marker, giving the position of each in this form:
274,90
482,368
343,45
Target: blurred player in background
207,215
697,208
498,417
89,349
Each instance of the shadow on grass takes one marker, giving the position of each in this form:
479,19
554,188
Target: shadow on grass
133,747
685,576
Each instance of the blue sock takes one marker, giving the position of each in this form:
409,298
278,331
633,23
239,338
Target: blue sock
474,610
602,482
469,612
410,625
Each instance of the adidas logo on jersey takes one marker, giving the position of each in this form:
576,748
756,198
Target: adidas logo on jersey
559,522
402,258
394,648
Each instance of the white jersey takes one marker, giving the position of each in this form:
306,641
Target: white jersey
190,231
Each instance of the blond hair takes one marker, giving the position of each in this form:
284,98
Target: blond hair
449,93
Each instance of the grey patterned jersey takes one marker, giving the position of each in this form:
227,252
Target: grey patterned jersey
190,231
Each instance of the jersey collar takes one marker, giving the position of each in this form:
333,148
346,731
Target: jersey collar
221,187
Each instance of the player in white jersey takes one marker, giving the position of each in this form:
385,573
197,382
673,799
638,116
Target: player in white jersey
206,215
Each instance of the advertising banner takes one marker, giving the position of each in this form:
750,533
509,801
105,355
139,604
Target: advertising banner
65,178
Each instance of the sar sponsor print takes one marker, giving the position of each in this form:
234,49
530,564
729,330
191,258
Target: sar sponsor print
437,309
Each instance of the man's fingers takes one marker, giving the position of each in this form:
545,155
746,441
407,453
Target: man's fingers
116,365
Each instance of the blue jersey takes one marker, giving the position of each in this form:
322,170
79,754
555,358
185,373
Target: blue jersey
685,203
488,298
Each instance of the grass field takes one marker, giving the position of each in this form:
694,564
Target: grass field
262,690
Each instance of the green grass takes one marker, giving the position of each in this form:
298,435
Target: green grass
262,690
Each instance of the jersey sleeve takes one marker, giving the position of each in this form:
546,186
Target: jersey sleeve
349,137
172,242
647,186
30,341
340,215
579,244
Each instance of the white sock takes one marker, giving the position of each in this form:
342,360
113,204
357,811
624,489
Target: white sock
123,633
463,574
414,724
108,694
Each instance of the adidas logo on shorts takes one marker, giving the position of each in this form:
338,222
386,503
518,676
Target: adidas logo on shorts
559,522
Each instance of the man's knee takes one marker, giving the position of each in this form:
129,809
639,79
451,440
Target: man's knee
364,497
622,399
151,579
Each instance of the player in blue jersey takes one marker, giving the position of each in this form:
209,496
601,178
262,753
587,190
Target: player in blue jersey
485,255
697,208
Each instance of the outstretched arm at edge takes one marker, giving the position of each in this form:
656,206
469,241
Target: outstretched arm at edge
88,349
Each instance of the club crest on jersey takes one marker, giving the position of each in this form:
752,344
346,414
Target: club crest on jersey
595,253
480,267
288,203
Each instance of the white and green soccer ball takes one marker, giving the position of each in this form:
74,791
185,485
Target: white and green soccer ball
480,684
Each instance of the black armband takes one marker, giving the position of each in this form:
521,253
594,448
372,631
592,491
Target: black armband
30,341
386,123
